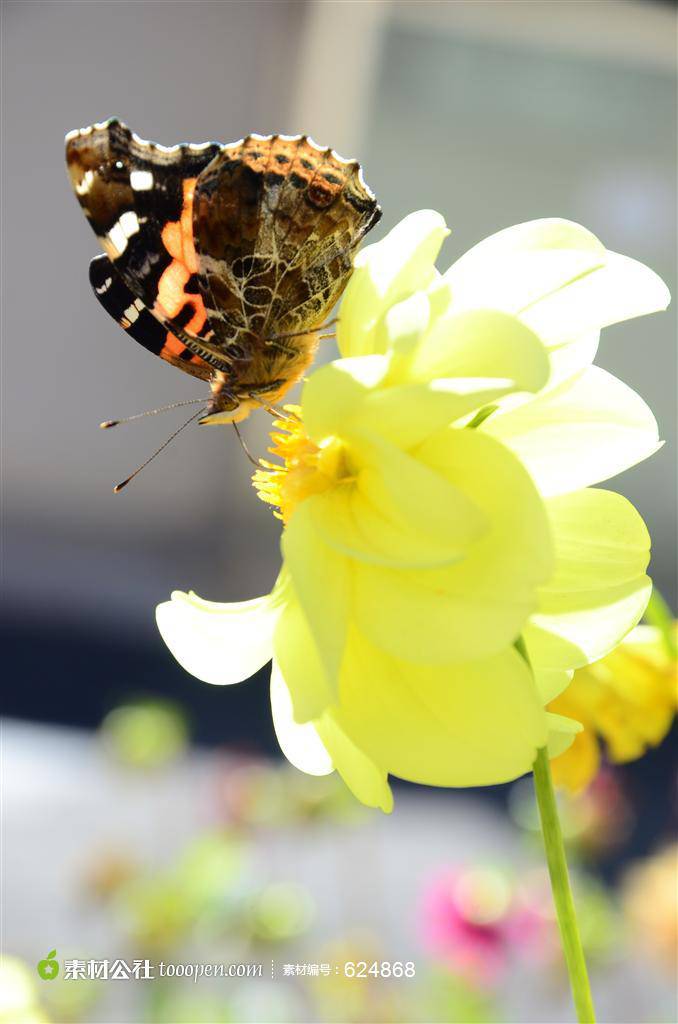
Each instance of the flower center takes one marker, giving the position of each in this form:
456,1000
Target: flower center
306,469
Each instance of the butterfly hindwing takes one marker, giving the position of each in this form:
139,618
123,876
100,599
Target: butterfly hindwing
137,320
276,221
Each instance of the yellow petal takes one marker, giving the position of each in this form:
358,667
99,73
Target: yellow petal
297,656
351,525
219,643
572,629
364,778
562,733
415,497
407,414
361,395
551,682
300,744
406,321
334,393
472,724
384,274
478,606
322,746
585,431
601,540
481,343
321,579
394,511
599,589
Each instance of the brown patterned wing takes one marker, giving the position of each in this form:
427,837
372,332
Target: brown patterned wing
276,222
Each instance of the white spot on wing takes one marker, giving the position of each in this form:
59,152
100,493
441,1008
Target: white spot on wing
141,181
85,185
129,222
104,287
118,238
126,226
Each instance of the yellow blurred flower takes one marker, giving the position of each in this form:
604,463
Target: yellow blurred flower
434,489
19,1003
627,700
650,904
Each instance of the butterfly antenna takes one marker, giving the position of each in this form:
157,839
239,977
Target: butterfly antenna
246,450
119,487
150,412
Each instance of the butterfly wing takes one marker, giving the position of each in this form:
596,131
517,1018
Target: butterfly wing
138,198
137,320
276,221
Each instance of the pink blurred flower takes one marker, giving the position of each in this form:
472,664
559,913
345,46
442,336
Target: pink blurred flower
473,921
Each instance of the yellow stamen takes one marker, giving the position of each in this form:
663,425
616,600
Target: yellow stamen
306,469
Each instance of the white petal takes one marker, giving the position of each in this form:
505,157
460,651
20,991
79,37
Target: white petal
570,358
218,643
587,430
523,264
300,744
619,290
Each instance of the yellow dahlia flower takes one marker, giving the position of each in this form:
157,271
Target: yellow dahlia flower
434,493
627,700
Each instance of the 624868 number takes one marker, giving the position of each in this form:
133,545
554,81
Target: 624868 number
377,969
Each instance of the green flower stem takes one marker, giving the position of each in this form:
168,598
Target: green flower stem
560,879
560,887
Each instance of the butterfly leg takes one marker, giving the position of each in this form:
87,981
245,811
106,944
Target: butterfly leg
300,334
255,390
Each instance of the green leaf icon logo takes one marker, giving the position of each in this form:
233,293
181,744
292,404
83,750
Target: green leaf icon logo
49,967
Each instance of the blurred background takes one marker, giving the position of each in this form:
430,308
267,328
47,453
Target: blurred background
492,113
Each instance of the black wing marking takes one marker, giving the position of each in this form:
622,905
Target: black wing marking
137,320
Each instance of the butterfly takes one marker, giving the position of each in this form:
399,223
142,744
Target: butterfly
224,260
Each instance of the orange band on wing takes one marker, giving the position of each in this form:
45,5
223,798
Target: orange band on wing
177,237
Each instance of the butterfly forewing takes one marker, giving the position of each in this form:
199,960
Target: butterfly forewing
137,197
